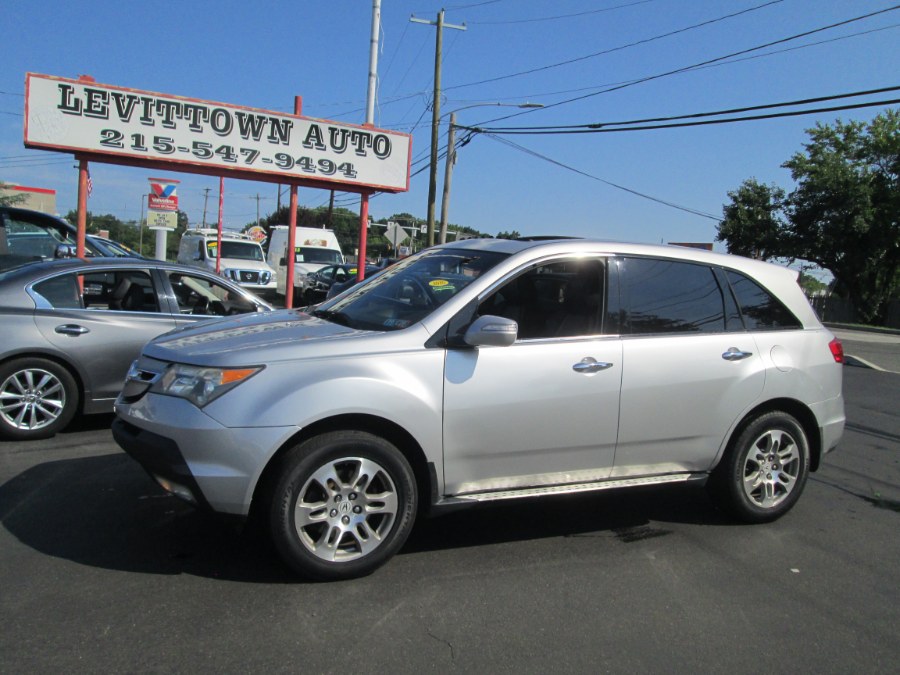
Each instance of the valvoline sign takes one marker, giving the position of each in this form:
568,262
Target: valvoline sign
162,195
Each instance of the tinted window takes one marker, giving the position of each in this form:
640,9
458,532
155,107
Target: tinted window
559,299
60,292
760,309
667,296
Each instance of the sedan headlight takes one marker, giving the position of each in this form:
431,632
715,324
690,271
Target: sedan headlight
200,385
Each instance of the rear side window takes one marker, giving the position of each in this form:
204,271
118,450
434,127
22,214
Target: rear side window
760,309
669,296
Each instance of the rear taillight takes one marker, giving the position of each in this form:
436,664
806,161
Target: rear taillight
837,350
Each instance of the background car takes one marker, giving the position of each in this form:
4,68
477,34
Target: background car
320,282
110,248
69,329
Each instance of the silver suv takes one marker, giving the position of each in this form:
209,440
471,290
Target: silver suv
486,370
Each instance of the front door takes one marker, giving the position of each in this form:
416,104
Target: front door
543,411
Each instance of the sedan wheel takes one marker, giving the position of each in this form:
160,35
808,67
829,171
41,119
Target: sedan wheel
344,504
765,469
37,398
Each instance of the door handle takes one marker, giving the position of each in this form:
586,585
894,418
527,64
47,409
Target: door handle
735,354
590,365
72,329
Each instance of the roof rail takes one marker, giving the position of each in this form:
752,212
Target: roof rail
545,237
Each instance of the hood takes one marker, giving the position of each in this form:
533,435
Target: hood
251,338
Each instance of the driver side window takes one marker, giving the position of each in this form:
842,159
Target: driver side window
564,298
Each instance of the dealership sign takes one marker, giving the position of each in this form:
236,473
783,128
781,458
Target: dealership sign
140,127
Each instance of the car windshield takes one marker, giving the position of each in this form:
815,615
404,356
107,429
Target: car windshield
240,250
410,290
316,254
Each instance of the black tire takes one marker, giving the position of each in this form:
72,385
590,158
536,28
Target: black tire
360,497
38,398
764,469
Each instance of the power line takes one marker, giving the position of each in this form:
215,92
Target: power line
533,153
615,49
545,94
601,126
562,16
702,63
748,118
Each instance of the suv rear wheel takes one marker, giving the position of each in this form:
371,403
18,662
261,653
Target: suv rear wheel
765,469
343,504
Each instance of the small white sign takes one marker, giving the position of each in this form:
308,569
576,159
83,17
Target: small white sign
162,220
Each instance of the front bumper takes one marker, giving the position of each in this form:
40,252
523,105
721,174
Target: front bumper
194,456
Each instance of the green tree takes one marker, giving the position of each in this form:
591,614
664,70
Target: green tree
131,234
844,214
753,223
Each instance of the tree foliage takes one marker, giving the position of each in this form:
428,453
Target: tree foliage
131,234
843,215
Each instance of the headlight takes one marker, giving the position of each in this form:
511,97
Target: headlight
200,385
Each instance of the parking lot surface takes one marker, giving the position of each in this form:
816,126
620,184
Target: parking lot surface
103,572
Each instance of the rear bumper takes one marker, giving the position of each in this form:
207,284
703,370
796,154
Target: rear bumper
830,415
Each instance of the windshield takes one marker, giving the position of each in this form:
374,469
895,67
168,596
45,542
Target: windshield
316,254
410,290
241,250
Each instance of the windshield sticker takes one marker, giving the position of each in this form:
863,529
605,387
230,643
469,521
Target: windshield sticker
440,285
396,323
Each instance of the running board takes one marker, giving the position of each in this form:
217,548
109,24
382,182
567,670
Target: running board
572,488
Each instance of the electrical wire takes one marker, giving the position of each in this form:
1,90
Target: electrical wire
643,195
601,126
695,66
561,16
614,49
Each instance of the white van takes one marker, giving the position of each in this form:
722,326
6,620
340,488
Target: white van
314,248
242,260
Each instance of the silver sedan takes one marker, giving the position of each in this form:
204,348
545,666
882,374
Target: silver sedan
69,329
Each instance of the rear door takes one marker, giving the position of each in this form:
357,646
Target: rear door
100,327
689,369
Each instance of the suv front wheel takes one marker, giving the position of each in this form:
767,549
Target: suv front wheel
764,471
343,504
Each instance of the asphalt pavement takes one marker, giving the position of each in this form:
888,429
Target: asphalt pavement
876,349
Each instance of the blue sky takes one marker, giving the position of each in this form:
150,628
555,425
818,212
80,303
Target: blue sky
262,54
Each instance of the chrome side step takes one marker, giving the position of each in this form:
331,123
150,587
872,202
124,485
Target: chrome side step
572,488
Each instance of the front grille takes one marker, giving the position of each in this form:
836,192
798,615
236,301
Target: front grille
249,276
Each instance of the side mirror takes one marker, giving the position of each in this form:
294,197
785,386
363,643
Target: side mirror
491,331
282,262
65,251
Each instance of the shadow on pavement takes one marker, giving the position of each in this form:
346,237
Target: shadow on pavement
105,512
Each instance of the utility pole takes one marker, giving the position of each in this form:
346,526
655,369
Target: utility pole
448,172
435,114
205,199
